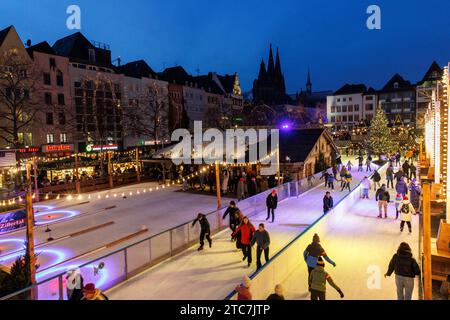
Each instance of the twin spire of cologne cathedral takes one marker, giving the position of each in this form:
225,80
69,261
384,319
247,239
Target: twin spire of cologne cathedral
270,88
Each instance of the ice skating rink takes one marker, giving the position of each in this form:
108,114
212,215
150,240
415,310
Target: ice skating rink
214,272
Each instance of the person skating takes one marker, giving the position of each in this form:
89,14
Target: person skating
331,180
406,167
368,162
231,210
343,173
75,285
278,294
390,176
406,269
414,192
412,171
399,175
246,230
347,180
318,280
262,239
349,165
312,254
360,163
406,211
325,176
398,202
92,293
310,179
243,289
376,177
271,203
327,202
240,189
365,185
383,198
204,230
401,187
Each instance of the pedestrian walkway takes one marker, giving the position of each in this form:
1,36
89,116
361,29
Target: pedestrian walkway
214,272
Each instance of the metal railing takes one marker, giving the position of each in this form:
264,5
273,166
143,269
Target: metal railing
128,261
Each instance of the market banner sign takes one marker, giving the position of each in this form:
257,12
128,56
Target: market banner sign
98,147
52,148
12,220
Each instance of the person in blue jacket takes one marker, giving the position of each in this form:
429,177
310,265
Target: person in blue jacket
312,254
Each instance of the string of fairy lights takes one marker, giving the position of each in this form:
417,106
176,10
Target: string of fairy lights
111,195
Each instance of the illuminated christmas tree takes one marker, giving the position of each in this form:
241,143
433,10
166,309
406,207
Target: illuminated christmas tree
380,139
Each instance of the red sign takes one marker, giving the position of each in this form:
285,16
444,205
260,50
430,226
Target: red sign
50,148
29,150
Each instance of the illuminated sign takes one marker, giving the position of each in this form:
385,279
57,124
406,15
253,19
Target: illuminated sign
29,150
97,147
50,148
12,221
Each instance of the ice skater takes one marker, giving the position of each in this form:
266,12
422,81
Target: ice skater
327,202
398,202
365,185
318,279
331,179
325,176
262,239
205,230
349,165
383,198
246,230
312,254
271,203
406,210
231,210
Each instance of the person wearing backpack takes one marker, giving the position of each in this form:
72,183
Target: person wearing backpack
376,177
406,210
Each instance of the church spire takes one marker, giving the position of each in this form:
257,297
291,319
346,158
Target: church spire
277,65
308,84
270,65
262,70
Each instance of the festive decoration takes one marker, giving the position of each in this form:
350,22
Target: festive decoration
380,139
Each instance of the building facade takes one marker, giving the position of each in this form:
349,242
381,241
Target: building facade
398,100
350,105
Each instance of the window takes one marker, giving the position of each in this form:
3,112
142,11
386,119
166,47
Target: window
395,85
338,119
91,55
338,99
344,108
333,119
369,107
356,117
350,118
61,100
49,118
350,99
350,108
344,99
333,109
344,118
48,98
63,137
338,109
62,118
59,79
52,62
356,107
50,138
369,98
47,79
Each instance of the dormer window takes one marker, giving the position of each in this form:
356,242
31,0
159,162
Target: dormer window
91,55
395,85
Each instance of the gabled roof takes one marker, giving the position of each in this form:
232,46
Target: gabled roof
43,47
370,91
76,48
4,33
227,82
351,89
297,144
137,69
434,73
402,84
175,74
207,83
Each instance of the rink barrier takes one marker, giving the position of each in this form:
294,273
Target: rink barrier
126,262
286,261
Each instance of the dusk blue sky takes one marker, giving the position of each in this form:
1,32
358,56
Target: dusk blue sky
329,37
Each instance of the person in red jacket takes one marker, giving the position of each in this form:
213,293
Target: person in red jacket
247,230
